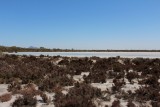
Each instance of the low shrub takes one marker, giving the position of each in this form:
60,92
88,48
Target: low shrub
131,75
29,91
116,103
131,104
45,98
96,77
14,87
5,97
155,104
147,93
79,96
51,84
117,85
25,101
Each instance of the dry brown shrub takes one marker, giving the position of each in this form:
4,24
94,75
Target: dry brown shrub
14,87
25,101
80,96
29,90
57,89
131,104
45,98
5,97
116,103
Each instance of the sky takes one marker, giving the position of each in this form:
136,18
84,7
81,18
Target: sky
80,24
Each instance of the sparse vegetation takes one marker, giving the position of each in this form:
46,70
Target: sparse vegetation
25,101
31,76
5,97
80,96
1,53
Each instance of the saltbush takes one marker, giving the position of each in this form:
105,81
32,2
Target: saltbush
80,96
25,101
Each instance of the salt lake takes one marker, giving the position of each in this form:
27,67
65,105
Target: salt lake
97,54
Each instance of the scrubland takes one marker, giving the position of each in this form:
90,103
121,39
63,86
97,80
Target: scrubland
45,81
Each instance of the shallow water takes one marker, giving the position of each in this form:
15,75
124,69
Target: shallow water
98,54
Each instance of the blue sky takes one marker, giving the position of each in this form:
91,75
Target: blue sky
81,24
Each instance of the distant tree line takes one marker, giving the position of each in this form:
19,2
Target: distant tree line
43,49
